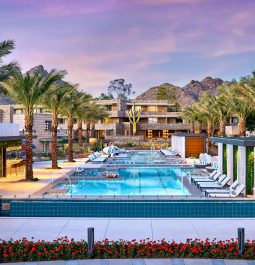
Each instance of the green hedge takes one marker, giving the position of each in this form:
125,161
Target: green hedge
235,151
249,170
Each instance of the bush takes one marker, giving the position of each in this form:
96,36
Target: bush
62,248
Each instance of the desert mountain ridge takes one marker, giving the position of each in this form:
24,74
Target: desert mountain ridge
187,94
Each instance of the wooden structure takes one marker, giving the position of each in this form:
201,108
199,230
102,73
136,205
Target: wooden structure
188,144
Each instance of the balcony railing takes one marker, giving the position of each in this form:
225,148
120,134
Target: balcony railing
163,126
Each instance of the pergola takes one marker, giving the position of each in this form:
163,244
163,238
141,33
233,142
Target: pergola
236,159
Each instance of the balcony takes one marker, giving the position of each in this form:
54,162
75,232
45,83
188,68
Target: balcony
116,114
105,126
157,114
163,126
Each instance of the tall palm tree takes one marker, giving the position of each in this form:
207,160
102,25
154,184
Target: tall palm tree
190,114
54,100
222,108
241,96
89,113
27,90
70,108
6,70
206,106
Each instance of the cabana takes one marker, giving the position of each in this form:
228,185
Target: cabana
188,144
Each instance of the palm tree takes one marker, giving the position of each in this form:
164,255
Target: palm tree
54,100
6,70
222,108
28,90
189,113
90,113
73,103
206,106
241,96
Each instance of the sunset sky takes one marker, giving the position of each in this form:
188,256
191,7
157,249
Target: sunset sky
146,42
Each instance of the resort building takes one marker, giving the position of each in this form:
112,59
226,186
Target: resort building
158,119
41,127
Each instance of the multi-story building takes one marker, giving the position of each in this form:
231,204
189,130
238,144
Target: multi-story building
41,125
158,118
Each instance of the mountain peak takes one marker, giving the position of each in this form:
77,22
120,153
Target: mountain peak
187,94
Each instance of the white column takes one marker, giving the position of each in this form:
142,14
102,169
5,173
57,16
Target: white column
241,165
230,161
220,156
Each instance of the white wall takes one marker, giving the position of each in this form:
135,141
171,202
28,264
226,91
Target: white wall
178,144
9,129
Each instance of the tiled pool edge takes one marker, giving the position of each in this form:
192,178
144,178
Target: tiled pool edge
128,208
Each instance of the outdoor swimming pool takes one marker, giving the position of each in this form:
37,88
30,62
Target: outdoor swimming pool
132,181
138,158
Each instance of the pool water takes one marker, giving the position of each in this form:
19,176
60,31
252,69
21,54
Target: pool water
136,181
138,158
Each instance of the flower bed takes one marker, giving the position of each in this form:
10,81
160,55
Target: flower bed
62,248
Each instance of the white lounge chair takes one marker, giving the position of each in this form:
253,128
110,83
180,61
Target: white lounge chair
231,194
168,153
214,178
99,159
95,157
197,177
201,164
218,184
233,186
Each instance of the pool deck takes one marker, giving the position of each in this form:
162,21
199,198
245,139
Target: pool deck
50,228
15,185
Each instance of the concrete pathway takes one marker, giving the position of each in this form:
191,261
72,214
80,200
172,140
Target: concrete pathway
141,262
114,229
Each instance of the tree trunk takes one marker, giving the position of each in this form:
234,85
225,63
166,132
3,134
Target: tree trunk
54,134
192,127
70,138
242,126
222,128
209,134
199,127
88,132
92,131
80,133
29,146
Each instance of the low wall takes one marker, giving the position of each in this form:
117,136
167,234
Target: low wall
129,208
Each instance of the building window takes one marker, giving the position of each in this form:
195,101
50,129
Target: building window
107,120
38,110
138,108
178,120
152,108
18,111
48,125
152,120
234,120
61,121
108,107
